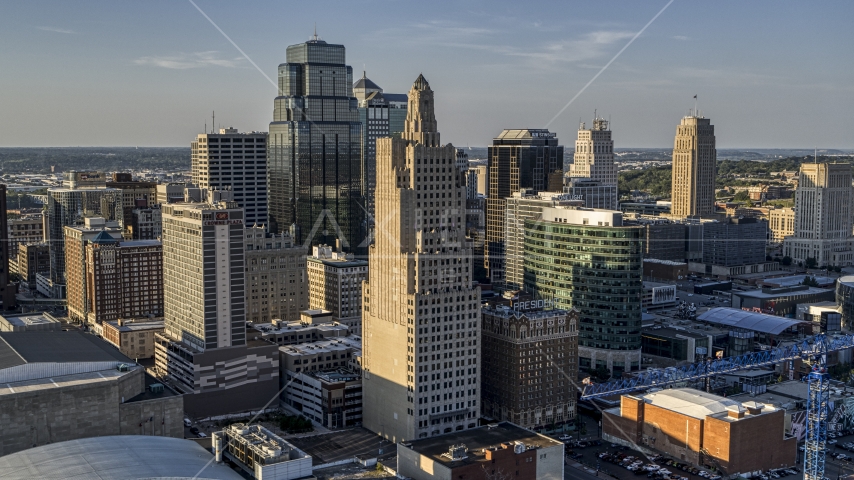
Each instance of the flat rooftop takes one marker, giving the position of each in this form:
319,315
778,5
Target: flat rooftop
690,402
322,346
769,295
40,384
671,332
478,439
18,348
139,325
31,319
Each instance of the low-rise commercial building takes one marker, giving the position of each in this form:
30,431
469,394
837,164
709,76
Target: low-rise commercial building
33,322
313,325
261,453
703,429
323,381
658,295
332,398
133,337
656,269
780,301
501,450
335,284
682,345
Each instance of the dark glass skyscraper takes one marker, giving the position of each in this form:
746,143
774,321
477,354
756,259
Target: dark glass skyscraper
527,158
314,151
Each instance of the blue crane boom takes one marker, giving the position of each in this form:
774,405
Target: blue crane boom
813,348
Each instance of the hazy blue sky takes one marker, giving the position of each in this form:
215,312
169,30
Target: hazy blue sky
768,73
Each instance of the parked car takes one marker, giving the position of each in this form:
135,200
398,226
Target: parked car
202,435
187,422
194,430
564,437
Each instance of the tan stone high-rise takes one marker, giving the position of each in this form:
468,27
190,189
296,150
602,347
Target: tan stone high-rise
420,311
694,168
822,226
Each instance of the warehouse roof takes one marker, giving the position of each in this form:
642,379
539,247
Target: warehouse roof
690,402
757,322
116,457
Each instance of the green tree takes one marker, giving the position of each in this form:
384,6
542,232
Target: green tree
811,262
741,196
787,260
810,282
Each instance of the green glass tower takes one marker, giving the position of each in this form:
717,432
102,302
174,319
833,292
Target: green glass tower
586,259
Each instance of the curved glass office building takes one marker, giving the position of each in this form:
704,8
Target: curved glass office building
586,259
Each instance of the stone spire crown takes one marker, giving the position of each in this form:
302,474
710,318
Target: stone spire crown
420,116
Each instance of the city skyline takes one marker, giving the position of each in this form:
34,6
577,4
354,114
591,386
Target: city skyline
136,75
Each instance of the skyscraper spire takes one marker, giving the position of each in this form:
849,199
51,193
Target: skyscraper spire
420,124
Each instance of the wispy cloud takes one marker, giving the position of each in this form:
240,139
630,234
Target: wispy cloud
681,37
56,30
589,46
186,61
448,34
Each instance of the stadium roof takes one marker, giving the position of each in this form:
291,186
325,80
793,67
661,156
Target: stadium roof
116,457
757,322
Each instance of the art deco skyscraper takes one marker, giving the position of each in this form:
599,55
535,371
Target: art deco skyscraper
594,153
420,312
593,164
314,150
694,168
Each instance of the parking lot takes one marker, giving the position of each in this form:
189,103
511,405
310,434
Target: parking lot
613,460
835,467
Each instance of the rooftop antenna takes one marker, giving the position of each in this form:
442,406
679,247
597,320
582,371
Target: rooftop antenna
815,156
213,121
695,106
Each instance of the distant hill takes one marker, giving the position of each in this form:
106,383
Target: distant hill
39,160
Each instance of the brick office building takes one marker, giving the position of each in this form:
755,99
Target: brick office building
543,344
703,429
501,450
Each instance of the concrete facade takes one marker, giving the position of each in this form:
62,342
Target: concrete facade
276,284
823,222
236,161
335,284
781,222
420,310
694,168
59,408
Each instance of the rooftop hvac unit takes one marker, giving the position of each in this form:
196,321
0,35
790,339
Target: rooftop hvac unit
122,367
156,388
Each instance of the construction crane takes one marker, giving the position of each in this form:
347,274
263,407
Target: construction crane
814,350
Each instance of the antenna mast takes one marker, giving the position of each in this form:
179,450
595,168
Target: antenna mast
213,121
